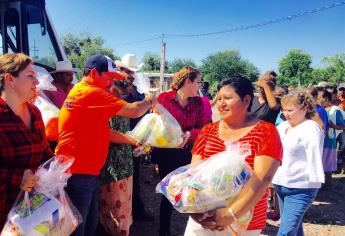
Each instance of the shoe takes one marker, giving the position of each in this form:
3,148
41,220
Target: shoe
143,216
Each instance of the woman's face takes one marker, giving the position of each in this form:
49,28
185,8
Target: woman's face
230,105
193,87
293,113
24,85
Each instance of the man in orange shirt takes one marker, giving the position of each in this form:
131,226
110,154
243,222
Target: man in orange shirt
85,135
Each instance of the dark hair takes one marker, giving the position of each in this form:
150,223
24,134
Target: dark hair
314,92
242,87
327,95
342,89
332,89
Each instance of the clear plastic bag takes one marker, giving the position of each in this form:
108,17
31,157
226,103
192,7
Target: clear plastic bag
158,130
50,115
47,210
209,184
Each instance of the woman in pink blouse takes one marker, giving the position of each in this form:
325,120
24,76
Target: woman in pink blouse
186,106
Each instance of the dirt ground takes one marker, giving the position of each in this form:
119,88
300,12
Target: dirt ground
325,217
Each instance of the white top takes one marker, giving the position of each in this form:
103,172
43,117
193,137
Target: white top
302,156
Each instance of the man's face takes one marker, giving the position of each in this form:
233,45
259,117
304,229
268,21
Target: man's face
65,78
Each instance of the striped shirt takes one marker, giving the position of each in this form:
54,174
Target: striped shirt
263,140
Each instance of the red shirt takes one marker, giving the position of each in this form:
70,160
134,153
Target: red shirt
20,149
263,139
190,117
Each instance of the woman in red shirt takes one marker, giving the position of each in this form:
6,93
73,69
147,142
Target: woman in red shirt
23,144
186,106
234,101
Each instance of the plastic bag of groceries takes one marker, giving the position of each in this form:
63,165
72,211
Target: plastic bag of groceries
50,115
47,210
158,130
209,184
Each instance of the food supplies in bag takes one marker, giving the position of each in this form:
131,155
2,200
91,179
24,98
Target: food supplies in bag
158,130
47,210
208,184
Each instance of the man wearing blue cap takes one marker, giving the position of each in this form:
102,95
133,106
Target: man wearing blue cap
85,135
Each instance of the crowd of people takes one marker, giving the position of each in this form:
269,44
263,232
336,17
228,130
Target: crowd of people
289,165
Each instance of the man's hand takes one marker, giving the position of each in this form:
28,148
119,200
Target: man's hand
262,83
29,181
207,220
151,98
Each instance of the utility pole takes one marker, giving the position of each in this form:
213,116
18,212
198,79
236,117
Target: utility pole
161,77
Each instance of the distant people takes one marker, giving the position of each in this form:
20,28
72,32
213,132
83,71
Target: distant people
299,178
63,77
129,65
341,97
234,100
333,90
320,115
23,143
85,135
336,123
185,104
205,90
266,106
280,91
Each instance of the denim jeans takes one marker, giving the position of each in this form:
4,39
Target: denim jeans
83,191
293,204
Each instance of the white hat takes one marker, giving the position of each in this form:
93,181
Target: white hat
322,84
64,66
128,61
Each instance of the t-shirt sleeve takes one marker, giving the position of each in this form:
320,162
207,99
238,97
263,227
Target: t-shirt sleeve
270,145
200,141
339,118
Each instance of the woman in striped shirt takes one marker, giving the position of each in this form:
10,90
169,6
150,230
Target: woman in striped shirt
234,101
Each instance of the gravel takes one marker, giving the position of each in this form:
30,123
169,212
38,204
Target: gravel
325,217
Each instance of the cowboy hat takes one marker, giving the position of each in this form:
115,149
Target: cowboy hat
64,66
128,61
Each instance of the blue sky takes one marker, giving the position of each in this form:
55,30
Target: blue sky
118,22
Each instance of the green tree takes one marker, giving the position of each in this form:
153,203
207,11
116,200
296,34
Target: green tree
228,63
151,62
178,63
336,68
295,68
80,47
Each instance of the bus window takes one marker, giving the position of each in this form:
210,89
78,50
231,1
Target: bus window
41,48
12,30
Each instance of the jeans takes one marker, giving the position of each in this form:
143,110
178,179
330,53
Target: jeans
293,204
83,191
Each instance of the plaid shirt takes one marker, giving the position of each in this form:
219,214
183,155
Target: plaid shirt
20,149
190,117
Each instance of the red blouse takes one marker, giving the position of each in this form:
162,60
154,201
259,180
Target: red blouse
263,139
190,117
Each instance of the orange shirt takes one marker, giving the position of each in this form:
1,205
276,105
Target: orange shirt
84,127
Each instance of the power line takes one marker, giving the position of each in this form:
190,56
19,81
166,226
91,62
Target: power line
139,41
241,28
285,18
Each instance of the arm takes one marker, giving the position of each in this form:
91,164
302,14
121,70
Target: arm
252,192
137,109
318,120
271,99
314,150
120,138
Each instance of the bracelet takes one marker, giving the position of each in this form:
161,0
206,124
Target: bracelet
233,215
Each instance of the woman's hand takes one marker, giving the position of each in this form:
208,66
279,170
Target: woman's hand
223,218
29,181
185,138
207,220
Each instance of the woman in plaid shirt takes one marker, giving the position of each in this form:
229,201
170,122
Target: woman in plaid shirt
23,144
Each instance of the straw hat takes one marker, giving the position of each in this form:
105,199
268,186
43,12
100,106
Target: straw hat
64,66
128,61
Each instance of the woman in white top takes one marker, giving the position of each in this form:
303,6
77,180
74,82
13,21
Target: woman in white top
299,178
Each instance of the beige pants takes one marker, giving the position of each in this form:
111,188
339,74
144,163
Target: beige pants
195,229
